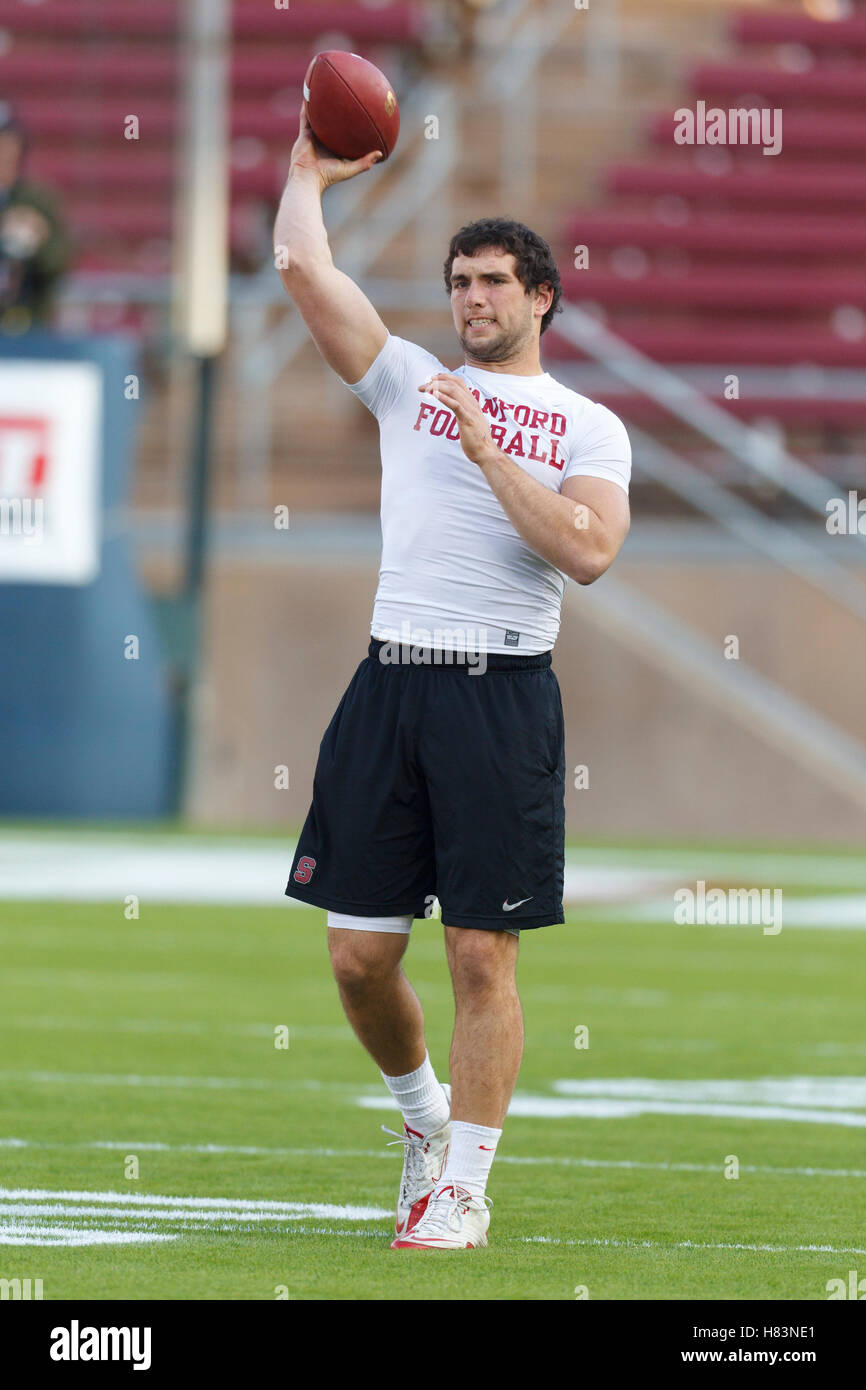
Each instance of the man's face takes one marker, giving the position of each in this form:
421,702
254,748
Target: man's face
11,147
494,316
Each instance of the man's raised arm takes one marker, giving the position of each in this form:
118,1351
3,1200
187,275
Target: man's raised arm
342,322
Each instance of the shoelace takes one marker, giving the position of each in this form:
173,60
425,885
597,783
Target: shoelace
414,1152
445,1214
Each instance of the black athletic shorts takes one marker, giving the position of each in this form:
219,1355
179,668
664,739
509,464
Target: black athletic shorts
436,782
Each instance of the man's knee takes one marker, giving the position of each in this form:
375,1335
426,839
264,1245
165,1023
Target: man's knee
482,962
362,960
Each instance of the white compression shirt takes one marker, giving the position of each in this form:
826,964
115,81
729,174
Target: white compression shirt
455,573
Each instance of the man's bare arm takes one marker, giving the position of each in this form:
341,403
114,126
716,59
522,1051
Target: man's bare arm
343,323
579,530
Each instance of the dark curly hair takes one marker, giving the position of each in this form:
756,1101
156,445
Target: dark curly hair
534,263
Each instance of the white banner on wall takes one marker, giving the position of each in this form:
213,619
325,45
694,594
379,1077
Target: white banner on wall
50,471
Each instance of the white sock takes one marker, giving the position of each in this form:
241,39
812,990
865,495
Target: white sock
470,1156
423,1104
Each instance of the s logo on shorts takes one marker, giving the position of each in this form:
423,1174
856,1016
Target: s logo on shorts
304,872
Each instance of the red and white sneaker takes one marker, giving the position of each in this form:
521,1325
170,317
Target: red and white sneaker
453,1220
424,1158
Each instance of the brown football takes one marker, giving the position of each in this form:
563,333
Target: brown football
351,105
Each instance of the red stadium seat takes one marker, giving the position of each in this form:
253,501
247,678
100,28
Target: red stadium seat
742,236
404,24
835,85
111,60
258,71
89,19
845,35
91,119
136,169
131,219
806,187
732,345
729,258
821,411
840,135
117,66
742,292
102,120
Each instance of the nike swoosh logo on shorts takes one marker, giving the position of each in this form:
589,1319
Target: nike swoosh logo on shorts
509,907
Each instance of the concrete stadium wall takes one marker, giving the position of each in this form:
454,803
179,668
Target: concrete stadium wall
283,639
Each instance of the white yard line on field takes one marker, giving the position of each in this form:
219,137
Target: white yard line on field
33,1213
806,1100
83,1023
135,1146
131,1079
825,1092
26,1233
795,864
92,866
557,1108
613,1242
198,1205
75,867
156,1146
43,1216
817,1100
838,911
601,1242
145,1214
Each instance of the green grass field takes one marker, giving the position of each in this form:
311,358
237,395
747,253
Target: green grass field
147,1041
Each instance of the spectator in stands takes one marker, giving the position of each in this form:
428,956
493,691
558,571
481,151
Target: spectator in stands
34,249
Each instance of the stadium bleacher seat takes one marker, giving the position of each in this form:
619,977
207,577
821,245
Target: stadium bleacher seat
733,290
689,239
816,411
721,256
804,188
113,60
762,345
772,237
40,70
743,83
397,23
89,19
838,36
120,172
806,133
